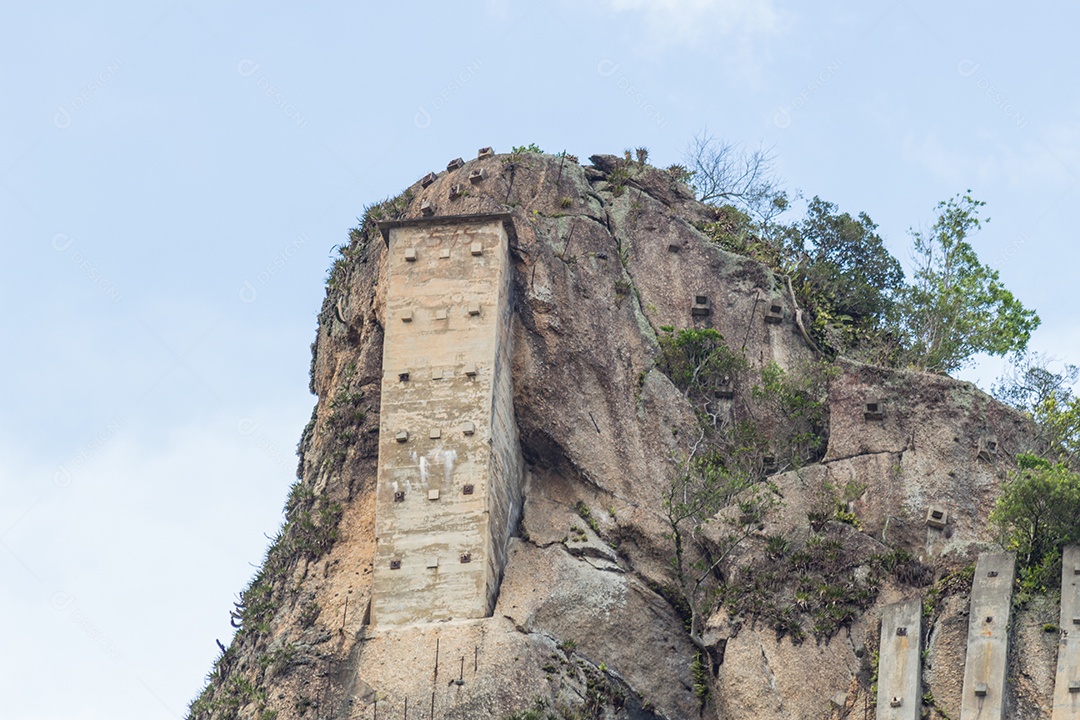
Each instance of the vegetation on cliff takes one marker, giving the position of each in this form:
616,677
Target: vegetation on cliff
957,306
839,271
1036,517
1046,396
762,408
1036,514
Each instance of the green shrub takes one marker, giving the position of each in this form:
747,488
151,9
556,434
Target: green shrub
1036,515
812,583
1030,386
736,232
585,514
957,306
798,401
681,174
843,275
699,362
701,677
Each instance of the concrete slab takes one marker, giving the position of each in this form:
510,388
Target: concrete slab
899,694
1067,684
988,638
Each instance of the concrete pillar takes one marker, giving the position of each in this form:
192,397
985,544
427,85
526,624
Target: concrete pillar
988,638
448,490
1067,685
899,694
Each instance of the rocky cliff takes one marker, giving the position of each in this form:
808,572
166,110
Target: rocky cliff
591,620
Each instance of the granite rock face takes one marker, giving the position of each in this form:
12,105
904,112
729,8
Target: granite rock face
586,620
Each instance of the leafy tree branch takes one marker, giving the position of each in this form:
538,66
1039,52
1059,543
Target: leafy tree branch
957,306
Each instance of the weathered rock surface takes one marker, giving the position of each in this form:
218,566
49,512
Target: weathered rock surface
585,621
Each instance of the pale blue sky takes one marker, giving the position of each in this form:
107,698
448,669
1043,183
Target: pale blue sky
174,177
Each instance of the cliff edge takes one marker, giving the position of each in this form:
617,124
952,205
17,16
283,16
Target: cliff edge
609,271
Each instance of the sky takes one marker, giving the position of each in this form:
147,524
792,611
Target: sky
175,177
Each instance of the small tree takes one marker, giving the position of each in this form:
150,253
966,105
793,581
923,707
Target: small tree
704,493
957,306
724,171
797,403
1047,397
844,274
1036,516
784,418
699,363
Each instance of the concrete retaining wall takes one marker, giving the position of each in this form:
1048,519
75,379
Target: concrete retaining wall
899,662
988,638
449,477
1067,685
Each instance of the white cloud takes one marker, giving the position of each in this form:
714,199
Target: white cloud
498,9
143,535
1054,157
693,21
950,164
1048,157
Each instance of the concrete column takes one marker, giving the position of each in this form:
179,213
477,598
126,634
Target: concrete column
899,695
448,491
1067,685
988,638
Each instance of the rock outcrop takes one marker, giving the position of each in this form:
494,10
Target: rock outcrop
589,618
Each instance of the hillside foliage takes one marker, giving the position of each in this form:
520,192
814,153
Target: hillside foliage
1036,516
957,306
1046,396
854,292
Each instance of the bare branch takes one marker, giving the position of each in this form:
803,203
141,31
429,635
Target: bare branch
726,171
